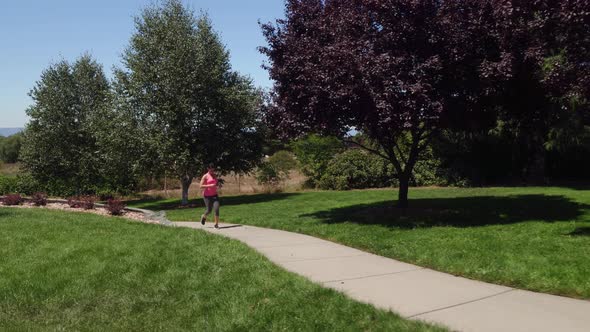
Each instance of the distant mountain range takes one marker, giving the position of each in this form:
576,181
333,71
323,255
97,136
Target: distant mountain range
9,131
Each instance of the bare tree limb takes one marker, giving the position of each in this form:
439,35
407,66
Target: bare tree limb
377,152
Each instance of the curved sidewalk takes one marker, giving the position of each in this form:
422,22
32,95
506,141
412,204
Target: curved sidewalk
412,291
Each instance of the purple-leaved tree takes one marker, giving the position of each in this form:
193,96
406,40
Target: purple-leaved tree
397,71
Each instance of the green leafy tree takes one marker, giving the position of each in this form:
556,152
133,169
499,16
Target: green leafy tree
194,108
268,175
10,148
118,132
59,144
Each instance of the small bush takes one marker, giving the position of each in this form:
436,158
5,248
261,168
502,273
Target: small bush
87,202
8,184
27,185
39,199
426,173
314,154
13,199
115,207
283,161
357,169
74,202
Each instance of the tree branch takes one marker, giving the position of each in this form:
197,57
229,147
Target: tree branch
399,151
390,149
377,152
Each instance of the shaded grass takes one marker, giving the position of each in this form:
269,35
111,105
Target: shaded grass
532,238
580,231
73,271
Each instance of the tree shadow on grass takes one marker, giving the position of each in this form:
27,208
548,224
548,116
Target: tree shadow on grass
151,204
575,185
580,231
458,212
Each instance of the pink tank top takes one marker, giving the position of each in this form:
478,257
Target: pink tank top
211,191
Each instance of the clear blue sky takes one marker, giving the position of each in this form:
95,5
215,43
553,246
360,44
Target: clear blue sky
35,33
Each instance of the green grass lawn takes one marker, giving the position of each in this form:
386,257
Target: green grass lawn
82,272
531,238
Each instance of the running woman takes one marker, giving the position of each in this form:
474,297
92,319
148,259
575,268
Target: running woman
209,184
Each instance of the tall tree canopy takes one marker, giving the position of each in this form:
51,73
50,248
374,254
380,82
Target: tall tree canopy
180,85
59,145
398,71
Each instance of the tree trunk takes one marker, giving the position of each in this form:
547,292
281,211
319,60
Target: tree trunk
186,183
536,167
166,185
404,184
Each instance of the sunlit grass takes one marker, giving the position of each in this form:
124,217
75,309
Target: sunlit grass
535,238
82,272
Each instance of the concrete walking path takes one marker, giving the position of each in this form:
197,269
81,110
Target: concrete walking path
409,290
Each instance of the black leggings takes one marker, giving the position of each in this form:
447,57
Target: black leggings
211,203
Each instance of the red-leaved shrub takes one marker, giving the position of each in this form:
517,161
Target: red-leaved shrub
13,199
115,207
87,202
39,199
74,202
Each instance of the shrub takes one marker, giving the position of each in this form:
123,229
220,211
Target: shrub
13,199
74,202
59,187
273,171
426,173
39,199
115,207
314,154
8,185
283,161
429,171
87,202
27,185
356,169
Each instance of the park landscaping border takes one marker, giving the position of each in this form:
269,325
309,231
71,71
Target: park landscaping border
148,216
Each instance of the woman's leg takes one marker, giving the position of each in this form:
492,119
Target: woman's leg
216,209
208,207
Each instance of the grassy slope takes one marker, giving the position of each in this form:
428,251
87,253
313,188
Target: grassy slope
70,271
9,169
532,238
